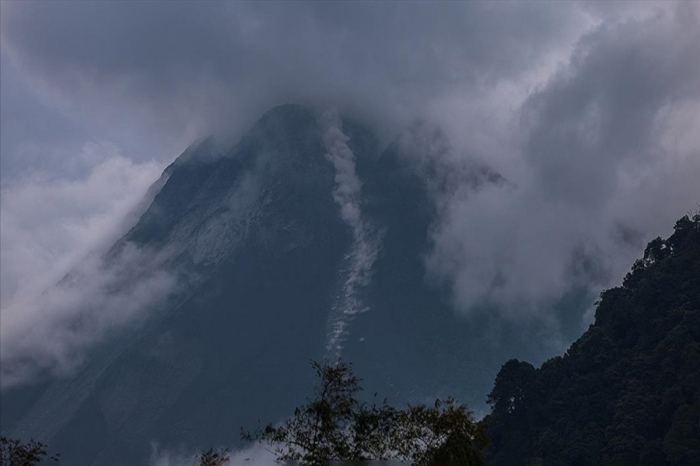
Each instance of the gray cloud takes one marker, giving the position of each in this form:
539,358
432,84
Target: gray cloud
191,66
601,110
50,333
607,142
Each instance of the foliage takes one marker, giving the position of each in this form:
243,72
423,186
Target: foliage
445,434
335,426
14,452
628,391
213,458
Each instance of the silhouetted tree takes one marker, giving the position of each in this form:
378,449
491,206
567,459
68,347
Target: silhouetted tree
334,426
628,391
14,452
213,458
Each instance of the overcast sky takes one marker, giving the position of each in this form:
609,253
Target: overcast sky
591,110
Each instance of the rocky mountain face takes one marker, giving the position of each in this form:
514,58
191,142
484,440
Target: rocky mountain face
305,240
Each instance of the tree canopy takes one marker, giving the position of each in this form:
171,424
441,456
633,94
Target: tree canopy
628,391
14,452
334,425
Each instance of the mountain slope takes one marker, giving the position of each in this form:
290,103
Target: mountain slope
252,235
304,240
628,391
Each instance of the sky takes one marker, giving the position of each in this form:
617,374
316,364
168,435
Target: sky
590,110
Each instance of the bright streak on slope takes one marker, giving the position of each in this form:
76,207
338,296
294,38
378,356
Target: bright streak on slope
363,251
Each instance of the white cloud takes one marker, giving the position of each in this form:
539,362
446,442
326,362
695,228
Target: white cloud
49,224
53,227
255,455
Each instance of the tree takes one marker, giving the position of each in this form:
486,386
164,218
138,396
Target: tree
335,426
14,452
445,433
213,458
510,387
627,391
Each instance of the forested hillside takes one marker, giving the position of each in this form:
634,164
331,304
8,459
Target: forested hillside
628,391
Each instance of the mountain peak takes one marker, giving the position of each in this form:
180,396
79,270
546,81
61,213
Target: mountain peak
298,241
204,150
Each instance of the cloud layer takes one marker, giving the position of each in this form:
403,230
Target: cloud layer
255,455
53,228
194,66
608,157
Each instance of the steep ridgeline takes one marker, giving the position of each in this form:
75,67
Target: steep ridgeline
302,241
628,391
254,237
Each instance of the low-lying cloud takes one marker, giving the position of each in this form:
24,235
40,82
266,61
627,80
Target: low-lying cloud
610,157
255,455
58,296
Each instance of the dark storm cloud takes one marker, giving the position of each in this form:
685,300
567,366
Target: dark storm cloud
602,110
195,63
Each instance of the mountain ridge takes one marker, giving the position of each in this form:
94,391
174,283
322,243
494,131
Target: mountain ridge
261,253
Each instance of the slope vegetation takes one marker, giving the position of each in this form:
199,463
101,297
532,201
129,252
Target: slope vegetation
628,391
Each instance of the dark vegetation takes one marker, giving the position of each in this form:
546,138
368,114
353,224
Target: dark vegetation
628,391
14,452
336,426
212,457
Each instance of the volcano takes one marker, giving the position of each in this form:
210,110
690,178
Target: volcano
305,240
